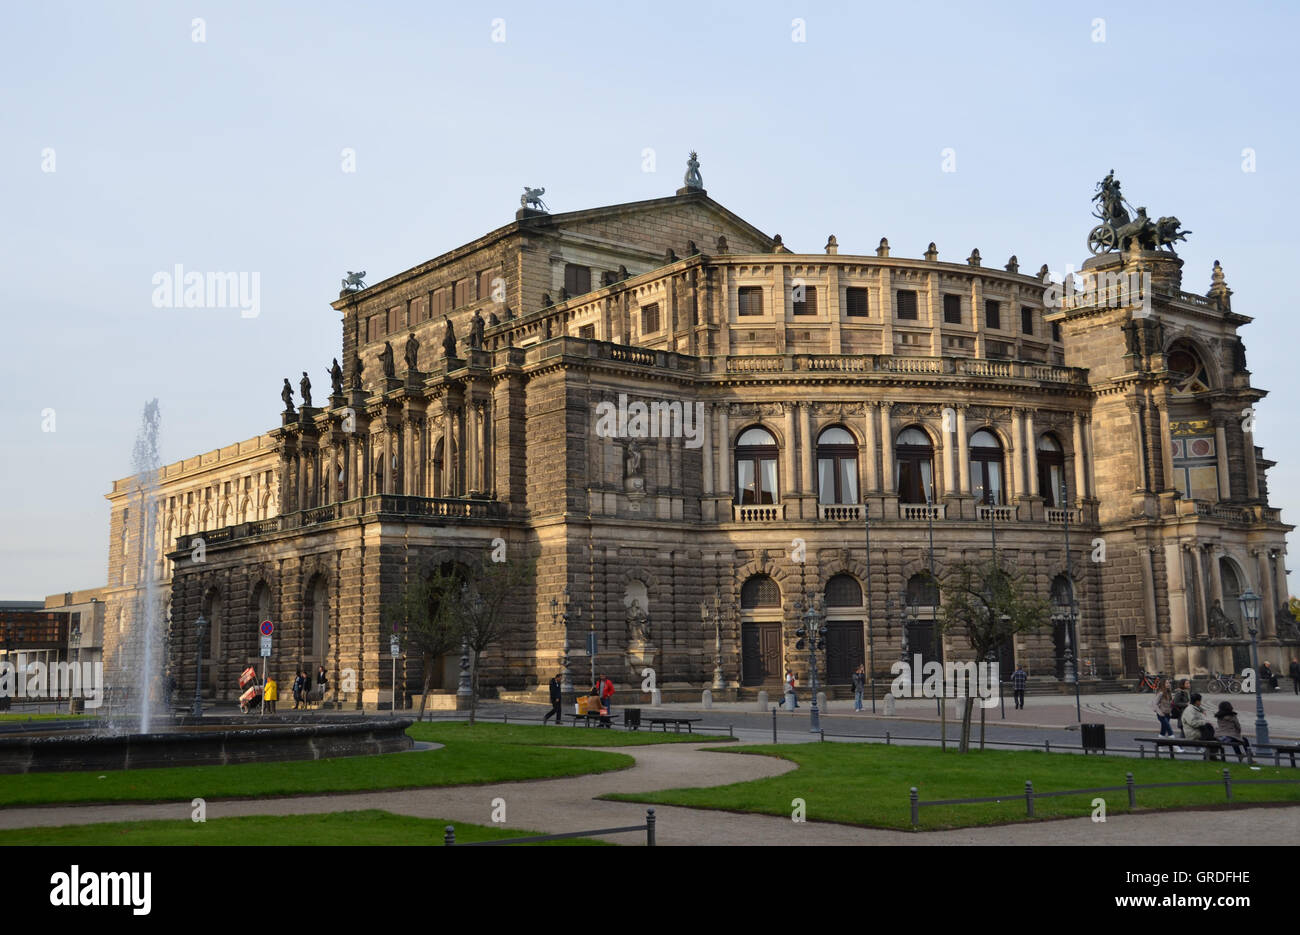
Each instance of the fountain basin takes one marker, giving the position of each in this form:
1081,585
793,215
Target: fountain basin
202,742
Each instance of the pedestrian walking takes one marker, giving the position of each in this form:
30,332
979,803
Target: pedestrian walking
1228,729
1294,672
859,686
791,699
270,694
322,683
1018,680
605,689
300,683
1163,705
555,703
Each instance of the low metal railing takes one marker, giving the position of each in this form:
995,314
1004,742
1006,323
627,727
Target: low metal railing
449,839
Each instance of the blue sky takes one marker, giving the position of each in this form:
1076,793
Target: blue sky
226,155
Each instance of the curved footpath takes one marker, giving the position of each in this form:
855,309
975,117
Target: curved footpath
560,805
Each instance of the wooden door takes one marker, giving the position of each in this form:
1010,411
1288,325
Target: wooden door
843,650
760,653
1129,646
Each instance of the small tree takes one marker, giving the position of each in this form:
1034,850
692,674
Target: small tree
425,614
988,604
481,608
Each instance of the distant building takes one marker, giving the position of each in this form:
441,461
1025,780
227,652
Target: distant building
787,396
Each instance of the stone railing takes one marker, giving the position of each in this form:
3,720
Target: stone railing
755,364
976,367
1059,515
1000,514
761,513
920,511
891,363
1230,514
840,512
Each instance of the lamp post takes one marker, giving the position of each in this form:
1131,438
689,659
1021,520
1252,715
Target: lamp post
1250,602
718,683
814,632
566,682
871,649
197,709
74,640
1070,636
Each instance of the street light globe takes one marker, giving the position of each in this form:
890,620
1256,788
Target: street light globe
1250,602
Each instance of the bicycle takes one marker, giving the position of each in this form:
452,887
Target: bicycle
1221,683
1088,669
1148,682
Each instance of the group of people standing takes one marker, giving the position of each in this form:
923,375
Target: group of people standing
302,687
1183,705
602,689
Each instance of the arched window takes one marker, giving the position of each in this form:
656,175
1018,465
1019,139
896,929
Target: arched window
1187,372
759,591
261,603
320,608
213,613
837,466
986,467
843,590
1051,469
755,467
922,590
1062,593
914,455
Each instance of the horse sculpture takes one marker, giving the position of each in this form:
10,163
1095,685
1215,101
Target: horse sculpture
354,281
532,198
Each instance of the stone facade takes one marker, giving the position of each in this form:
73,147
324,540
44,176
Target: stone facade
867,381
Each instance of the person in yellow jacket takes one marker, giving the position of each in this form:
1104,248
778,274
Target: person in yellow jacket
270,693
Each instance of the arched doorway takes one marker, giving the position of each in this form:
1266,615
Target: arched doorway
920,612
760,631
214,614
1051,469
1231,580
1062,604
844,615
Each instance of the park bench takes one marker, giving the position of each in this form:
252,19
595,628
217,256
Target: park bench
1209,746
588,718
1284,749
677,722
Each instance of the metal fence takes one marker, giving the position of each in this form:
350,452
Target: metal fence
1030,795
449,839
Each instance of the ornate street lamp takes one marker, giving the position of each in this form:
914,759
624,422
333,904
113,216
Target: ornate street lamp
566,682
719,683
813,632
1250,602
1070,636
74,640
197,709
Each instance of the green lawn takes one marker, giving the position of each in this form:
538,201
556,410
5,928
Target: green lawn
538,735
868,783
335,828
43,717
464,760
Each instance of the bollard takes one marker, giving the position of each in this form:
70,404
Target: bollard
706,699
449,838
1048,745
1132,790
762,701
916,807
890,706
886,738
773,725
649,827
1227,783
821,731
505,719
823,703
1029,798
656,698
1142,750
731,730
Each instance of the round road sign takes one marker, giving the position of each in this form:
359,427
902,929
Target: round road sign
267,628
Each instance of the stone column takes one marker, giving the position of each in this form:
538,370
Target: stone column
1139,447
449,453
1268,606
807,484
471,447
787,467
945,453
1280,589
1017,454
872,479
1221,454
724,448
1080,470
1216,576
1177,584
1196,553
1031,453
1166,450
480,445
1149,594
301,486
386,440
1252,472
887,483
706,449
963,451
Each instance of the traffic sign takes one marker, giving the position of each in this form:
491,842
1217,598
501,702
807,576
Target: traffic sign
394,646
591,643
266,646
267,628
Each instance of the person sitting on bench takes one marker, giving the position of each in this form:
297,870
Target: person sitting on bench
1229,728
1195,724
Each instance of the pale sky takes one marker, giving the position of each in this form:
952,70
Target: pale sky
227,155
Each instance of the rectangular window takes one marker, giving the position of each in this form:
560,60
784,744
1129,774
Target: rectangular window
485,285
440,305
419,309
992,314
751,300
1056,331
460,294
855,301
577,279
906,304
808,306
1026,319
395,317
650,318
952,309
588,332
374,328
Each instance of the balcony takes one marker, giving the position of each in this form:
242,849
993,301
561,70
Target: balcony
760,513
840,512
999,514
899,364
921,511
1061,516
1225,513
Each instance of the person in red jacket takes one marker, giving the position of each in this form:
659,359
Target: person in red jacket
605,689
